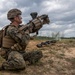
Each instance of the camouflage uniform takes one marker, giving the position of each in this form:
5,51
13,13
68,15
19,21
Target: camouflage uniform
15,59
15,55
15,40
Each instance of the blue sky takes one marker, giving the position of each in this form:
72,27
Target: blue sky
61,14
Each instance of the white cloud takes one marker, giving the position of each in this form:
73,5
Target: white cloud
61,14
70,25
45,33
5,4
51,5
69,31
54,26
24,9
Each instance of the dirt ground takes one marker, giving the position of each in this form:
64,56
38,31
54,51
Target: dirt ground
58,59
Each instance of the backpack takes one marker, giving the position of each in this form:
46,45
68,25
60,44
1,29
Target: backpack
2,33
1,36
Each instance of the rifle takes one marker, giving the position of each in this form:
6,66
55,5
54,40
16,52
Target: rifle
46,43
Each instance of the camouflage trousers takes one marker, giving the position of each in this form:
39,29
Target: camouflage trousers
16,60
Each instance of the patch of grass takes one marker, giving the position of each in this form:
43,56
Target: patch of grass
50,61
60,56
39,63
52,52
42,49
72,61
1,74
43,38
73,73
68,59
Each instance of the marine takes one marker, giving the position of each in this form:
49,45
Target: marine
15,40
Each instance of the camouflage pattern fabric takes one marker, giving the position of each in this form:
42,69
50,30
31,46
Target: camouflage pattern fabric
13,12
22,37
32,56
15,60
16,57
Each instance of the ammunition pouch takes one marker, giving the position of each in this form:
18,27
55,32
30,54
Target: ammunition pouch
16,47
2,52
9,43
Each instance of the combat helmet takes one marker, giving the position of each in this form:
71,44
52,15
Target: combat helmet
12,13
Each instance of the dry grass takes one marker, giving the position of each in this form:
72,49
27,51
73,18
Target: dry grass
58,59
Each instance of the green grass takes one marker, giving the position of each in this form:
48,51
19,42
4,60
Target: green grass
72,61
60,56
43,38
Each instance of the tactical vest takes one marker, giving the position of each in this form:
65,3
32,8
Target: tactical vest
8,42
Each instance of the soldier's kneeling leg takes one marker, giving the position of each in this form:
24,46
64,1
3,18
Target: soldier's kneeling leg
33,56
15,62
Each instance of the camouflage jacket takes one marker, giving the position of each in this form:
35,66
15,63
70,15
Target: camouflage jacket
22,37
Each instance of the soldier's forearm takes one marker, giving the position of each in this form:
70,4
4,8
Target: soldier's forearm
35,24
32,26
